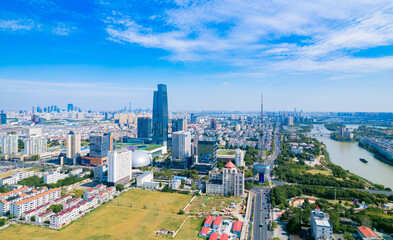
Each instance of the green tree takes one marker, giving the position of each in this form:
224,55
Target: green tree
294,225
181,212
56,208
348,236
32,218
182,182
119,187
2,222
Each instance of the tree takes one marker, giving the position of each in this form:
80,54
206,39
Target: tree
348,236
119,187
2,222
294,225
35,158
56,208
249,186
32,218
182,182
274,225
181,212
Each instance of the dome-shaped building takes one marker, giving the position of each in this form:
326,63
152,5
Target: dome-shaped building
140,159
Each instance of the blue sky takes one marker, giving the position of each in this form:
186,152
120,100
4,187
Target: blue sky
214,55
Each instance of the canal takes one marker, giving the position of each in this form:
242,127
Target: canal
347,154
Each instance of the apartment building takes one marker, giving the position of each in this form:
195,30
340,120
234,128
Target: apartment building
15,178
70,214
5,204
33,202
54,177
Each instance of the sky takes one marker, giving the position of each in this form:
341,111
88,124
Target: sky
328,55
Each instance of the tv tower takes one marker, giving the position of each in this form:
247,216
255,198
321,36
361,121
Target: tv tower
261,154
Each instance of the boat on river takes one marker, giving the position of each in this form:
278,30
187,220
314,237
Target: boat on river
363,160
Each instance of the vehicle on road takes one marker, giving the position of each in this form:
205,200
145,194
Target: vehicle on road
261,225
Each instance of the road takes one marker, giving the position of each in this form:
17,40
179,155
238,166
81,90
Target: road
262,209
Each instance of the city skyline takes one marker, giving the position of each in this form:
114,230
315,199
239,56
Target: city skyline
325,56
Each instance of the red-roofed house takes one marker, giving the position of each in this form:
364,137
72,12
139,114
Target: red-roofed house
213,236
204,232
366,233
217,223
224,236
208,221
230,165
237,227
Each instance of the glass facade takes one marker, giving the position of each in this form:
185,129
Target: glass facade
160,115
144,127
101,145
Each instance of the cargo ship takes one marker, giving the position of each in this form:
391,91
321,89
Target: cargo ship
363,160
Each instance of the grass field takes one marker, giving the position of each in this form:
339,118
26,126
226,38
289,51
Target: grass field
191,229
134,215
227,152
9,173
324,172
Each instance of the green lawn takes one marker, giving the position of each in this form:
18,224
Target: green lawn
134,215
227,152
191,229
323,172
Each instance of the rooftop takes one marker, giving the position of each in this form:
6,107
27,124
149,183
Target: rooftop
367,232
230,165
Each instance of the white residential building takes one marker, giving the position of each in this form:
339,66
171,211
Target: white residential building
176,184
33,202
119,167
229,181
145,177
239,158
36,145
76,171
54,177
181,145
73,147
9,144
321,227
15,178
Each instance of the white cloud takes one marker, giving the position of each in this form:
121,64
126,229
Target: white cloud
62,29
254,33
16,25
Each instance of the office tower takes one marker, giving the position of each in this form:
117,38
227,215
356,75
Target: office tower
213,124
3,118
179,125
239,158
9,144
36,145
144,127
70,107
181,145
101,145
73,148
119,167
193,118
106,116
160,115
288,121
207,151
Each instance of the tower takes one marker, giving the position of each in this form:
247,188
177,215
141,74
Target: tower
160,115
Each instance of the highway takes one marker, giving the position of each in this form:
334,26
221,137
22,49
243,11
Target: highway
262,211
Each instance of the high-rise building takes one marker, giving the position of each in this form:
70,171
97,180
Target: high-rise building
119,167
70,107
9,144
160,115
213,124
207,150
36,145
101,145
73,148
288,121
181,145
193,118
179,125
3,118
144,127
228,181
239,158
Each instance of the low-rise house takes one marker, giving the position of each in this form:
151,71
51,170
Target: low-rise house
237,228
45,216
204,232
366,233
208,221
217,223
40,209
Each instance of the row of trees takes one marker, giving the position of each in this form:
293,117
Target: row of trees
39,181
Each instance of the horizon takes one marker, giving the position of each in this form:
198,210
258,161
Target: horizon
320,57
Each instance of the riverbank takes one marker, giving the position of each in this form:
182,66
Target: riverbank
347,155
376,153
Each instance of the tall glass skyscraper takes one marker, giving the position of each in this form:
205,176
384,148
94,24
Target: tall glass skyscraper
160,115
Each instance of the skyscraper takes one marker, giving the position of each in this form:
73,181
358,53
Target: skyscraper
144,127
100,146
160,115
181,145
70,107
3,118
213,124
179,125
73,149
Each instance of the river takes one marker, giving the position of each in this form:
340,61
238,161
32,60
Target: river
347,154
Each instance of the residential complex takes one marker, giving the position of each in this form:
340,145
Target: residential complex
181,145
9,144
73,147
